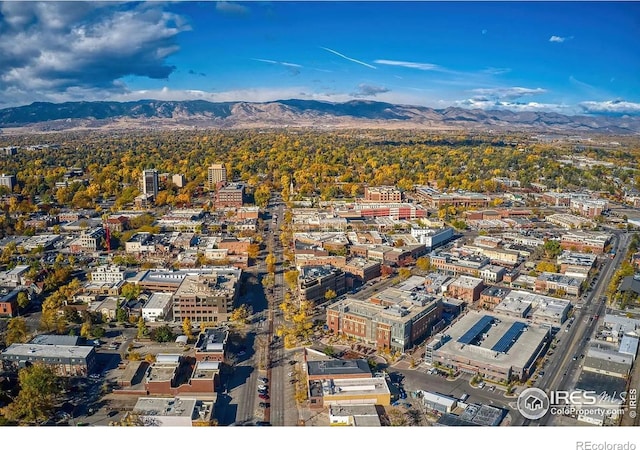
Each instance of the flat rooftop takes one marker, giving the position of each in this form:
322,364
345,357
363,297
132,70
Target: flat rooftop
206,370
158,300
48,351
466,282
356,386
518,354
160,371
176,407
337,367
212,340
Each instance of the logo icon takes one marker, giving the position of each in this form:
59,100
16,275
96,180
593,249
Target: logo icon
533,403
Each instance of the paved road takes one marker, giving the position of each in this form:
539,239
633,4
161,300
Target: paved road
563,370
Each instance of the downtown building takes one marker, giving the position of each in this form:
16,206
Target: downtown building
395,319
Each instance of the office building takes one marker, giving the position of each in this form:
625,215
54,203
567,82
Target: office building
217,173
150,182
8,180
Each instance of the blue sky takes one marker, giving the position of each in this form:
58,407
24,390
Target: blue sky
573,57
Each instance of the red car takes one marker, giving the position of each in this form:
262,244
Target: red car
263,396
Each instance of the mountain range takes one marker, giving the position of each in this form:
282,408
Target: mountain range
41,116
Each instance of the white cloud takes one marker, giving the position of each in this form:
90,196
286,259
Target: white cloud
506,93
559,39
410,64
610,107
232,8
496,70
348,58
488,105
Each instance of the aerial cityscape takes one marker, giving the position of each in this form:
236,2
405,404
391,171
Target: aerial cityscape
318,214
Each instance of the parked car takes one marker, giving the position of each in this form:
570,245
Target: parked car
265,404
263,379
263,396
262,387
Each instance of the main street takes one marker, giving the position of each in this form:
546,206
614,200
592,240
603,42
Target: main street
280,412
564,368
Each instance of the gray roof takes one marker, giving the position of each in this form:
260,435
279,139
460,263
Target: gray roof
54,339
601,383
339,367
48,351
631,283
629,346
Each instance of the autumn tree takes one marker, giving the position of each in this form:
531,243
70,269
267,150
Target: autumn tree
16,331
269,280
186,328
261,195
291,278
404,273
240,314
546,266
253,251
270,261
330,295
39,389
424,263
23,300
85,330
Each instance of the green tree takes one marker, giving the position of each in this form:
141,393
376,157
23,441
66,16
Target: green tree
552,249
39,389
143,331
97,331
71,315
330,294
121,314
162,334
130,291
16,331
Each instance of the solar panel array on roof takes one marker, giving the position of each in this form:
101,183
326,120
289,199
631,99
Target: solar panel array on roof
510,337
473,332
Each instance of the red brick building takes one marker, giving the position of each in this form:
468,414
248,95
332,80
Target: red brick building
466,288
